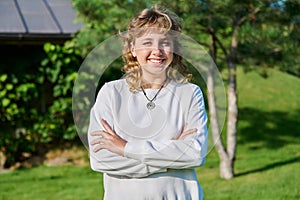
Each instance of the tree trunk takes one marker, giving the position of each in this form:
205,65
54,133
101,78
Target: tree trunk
226,171
216,132
227,164
226,168
226,154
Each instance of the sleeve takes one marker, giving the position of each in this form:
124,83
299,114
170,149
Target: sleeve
104,160
176,154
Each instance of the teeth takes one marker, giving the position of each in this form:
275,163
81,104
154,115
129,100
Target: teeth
156,61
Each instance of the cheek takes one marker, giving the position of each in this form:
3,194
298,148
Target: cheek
140,57
140,51
169,50
170,55
170,58
142,54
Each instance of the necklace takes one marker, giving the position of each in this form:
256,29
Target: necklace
151,105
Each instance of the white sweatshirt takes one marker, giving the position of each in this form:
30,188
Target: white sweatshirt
155,164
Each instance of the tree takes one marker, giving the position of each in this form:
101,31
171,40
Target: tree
235,14
226,22
272,39
103,19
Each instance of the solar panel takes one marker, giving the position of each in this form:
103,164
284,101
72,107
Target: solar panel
10,21
37,17
65,15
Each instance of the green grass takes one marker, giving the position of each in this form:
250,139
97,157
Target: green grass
268,153
267,163
67,183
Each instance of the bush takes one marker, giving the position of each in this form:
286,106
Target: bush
36,101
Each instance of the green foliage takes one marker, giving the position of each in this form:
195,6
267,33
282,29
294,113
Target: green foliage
36,105
59,68
271,38
268,37
103,19
11,92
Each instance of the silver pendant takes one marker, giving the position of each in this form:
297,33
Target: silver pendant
150,105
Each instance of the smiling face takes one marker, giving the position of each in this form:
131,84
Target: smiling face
154,53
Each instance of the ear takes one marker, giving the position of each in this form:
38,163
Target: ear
132,50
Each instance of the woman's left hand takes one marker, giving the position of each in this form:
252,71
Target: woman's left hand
108,139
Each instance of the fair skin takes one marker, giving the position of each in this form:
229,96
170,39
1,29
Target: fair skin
153,51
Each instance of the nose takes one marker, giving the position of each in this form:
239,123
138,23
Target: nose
157,49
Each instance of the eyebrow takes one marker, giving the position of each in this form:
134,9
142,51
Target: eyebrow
150,38
143,39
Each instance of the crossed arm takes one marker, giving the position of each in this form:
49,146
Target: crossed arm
109,140
112,154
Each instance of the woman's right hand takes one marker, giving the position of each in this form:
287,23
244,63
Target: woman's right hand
108,139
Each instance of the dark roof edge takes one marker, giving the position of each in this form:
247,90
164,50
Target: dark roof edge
21,38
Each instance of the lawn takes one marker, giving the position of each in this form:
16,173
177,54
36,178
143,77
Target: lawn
268,154
267,163
66,183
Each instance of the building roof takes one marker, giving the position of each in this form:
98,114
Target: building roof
36,21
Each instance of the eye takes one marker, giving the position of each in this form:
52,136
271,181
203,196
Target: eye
166,43
147,43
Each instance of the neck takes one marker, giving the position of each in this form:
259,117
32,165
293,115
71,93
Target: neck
153,82
157,84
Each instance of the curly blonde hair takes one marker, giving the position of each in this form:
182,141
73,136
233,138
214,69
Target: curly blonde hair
139,25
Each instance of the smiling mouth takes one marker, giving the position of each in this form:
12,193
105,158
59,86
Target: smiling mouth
156,61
